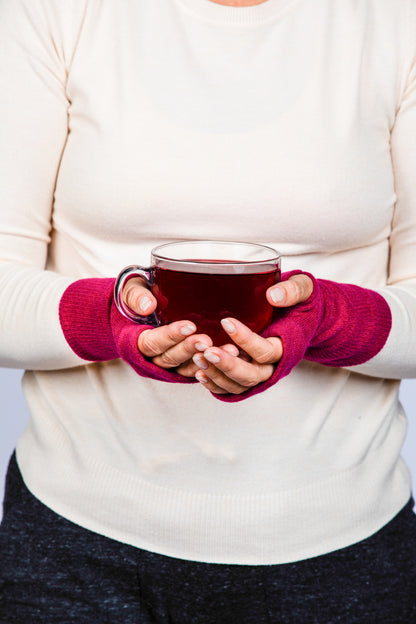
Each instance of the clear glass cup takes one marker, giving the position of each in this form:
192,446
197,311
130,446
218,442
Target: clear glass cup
206,281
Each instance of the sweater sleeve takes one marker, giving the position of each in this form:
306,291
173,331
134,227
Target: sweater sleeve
397,359
36,47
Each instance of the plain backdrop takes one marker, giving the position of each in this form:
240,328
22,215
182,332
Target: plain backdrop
14,415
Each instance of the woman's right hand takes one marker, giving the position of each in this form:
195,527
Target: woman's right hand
168,346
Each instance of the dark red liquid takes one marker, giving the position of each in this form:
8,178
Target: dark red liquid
206,298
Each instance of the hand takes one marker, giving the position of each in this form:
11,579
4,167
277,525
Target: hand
221,372
169,346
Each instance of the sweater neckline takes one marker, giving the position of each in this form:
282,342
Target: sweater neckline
237,16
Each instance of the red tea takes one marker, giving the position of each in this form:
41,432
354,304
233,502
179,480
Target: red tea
206,298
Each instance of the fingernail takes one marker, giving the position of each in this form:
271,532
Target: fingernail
187,330
212,357
201,377
235,352
144,303
199,361
277,295
201,346
228,326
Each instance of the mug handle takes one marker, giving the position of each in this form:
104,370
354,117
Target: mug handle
122,278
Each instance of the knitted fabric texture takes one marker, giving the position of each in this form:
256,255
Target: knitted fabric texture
338,325
96,331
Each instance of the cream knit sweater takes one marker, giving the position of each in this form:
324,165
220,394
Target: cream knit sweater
127,123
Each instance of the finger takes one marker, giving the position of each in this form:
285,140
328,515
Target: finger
138,297
154,342
183,351
213,379
201,363
262,350
296,289
187,369
231,349
231,373
197,362
207,383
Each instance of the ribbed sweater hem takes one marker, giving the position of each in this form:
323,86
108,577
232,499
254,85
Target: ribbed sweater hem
252,529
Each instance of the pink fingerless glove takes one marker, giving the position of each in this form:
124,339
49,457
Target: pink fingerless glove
339,325
96,331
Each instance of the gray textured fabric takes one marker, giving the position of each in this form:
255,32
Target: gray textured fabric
54,572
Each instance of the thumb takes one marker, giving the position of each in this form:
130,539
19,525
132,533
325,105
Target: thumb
137,296
296,289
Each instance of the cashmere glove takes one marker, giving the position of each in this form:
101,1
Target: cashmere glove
338,325
96,330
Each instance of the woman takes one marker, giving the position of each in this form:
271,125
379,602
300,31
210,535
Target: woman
272,490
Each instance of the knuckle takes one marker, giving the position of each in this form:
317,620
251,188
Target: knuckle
173,333
146,343
188,346
215,375
252,380
265,355
131,298
167,361
308,286
296,289
270,351
301,287
221,381
227,368
132,292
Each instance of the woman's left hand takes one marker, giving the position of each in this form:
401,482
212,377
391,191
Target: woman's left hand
222,372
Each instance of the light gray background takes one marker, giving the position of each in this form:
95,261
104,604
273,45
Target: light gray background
14,415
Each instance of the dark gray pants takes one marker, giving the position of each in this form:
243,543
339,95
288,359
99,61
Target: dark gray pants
54,572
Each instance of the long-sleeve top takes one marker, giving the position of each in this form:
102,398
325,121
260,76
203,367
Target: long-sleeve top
125,124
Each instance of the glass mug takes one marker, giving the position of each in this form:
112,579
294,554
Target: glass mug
206,281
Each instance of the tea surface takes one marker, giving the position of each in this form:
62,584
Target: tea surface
206,298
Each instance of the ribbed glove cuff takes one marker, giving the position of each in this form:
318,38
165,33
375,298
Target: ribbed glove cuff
338,325
96,331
